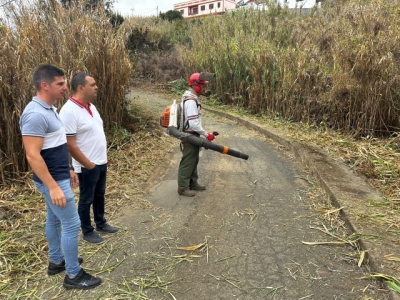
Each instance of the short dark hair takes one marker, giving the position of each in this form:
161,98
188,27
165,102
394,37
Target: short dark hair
77,80
45,73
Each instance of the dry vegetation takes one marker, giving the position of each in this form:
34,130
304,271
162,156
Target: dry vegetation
72,40
151,43
336,67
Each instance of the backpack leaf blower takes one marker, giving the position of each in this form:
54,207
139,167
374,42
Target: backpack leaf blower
170,120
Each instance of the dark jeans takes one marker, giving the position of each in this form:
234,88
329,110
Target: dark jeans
92,187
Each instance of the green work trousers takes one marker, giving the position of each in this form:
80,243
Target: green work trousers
187,174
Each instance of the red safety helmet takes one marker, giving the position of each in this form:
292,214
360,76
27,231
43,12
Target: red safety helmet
194,79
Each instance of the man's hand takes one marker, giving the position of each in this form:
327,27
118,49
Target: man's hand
74,179
57,196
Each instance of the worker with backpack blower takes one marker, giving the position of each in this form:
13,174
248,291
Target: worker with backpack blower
191,123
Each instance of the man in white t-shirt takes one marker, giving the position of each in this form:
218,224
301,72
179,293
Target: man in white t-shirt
88,147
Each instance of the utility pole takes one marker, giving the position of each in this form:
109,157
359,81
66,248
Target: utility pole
157,11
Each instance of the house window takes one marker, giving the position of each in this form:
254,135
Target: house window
182,11
211,6
195,11
219,4
203,7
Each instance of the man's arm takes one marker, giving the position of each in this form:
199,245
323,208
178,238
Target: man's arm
33,146
77,154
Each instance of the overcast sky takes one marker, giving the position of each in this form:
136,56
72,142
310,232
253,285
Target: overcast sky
144,7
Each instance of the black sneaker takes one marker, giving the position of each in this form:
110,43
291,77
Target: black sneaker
54,269
107,229
93,238
82,281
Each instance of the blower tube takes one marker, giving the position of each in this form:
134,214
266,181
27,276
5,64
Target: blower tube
200,142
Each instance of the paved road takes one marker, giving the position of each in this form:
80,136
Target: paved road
253,218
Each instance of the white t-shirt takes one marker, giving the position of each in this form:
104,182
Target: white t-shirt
88,132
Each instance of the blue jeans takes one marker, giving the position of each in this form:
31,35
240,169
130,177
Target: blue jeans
92,187
62,228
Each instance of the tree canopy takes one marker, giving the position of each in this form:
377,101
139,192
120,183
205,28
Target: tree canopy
108,4
171,15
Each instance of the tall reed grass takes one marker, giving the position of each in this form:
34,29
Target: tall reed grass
337,66
151,43
73,39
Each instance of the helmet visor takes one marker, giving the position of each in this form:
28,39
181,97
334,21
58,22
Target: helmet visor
205,77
